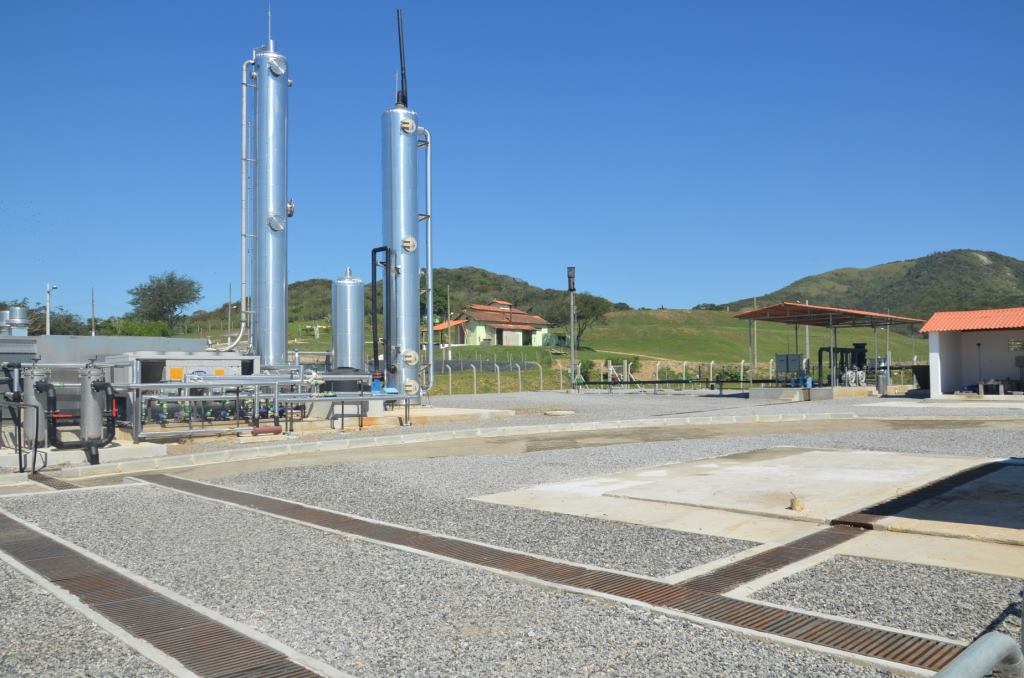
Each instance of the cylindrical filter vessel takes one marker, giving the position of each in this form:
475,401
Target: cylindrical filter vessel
401,230
36,413
91,403
347,324
270,208
18,321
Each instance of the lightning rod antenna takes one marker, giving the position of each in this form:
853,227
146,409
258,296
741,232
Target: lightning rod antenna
403,93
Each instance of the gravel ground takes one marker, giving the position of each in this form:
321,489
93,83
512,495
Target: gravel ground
936,600
594,406
436,493
40,636
376,611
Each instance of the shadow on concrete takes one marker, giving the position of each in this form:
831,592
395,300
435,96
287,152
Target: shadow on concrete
991,495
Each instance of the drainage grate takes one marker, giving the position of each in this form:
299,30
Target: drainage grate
50,481
706,602
204,646
730,576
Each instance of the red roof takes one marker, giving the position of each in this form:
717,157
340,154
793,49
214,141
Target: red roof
502,315
797,313
449,323
990,319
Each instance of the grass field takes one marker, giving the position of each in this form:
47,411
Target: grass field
655,342
716,335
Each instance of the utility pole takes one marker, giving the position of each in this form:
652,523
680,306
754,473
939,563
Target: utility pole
807,340
449,328
754,366
49,290
94,311
571,271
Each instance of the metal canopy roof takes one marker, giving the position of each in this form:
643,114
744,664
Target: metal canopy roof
795,313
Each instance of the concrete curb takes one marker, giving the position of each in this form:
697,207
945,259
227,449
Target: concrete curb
279,449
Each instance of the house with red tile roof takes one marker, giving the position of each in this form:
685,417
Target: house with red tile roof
496,324
976,351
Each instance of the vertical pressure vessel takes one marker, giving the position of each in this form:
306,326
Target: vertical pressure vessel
270,207
401,229
347,325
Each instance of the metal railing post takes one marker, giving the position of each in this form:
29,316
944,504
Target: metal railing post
473,367
497,371
449,368
520,371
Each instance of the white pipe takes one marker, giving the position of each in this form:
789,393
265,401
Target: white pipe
242,309
991,651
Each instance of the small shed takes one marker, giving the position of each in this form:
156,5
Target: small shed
976,351
496,324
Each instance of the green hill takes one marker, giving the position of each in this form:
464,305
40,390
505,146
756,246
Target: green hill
310,300
953,280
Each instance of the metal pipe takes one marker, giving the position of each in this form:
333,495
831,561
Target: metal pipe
242,305
429,234
992,651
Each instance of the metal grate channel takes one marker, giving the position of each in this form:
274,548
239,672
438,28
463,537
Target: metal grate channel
204,646
730,576
50,481
700,601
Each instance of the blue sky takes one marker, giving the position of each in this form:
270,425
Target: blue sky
676,153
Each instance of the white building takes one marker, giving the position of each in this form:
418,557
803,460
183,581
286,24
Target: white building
966,348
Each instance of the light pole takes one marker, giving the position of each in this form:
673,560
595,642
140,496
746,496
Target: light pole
571,271
49,289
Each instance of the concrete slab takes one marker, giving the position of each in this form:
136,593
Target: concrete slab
829,483
986,504
1004,560
114,453
715,522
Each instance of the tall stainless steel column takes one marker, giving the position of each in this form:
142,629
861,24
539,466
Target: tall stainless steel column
401,228
271,208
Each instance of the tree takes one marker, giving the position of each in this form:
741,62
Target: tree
164,297
590,310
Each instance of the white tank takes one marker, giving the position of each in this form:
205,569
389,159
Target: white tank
347,323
